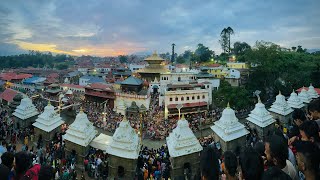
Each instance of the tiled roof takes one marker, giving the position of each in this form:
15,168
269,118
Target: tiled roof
100,86
132,81
8,94
72,86
306,88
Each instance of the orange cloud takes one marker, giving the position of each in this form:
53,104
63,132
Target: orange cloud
41,47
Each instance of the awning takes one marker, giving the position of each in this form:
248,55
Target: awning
101,142
187,105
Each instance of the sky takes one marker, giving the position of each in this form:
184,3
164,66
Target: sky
115,27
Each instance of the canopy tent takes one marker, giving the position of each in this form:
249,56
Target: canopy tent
101,142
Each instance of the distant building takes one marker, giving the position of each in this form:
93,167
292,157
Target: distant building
99,93
72,87
154,69
86,80
237,65
136,67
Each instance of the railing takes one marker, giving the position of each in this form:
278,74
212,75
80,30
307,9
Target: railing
135,96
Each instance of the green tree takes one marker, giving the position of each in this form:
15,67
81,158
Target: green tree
300,50
226,39
239,48
123,58
204,53
180,59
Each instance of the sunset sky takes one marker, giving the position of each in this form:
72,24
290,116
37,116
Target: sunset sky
113,27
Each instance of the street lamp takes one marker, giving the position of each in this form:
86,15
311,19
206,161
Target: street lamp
179,106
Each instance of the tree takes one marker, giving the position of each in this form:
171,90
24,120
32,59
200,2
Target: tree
229,32
239,48
123,58
224,40
293,48
204,53
180,59
300,50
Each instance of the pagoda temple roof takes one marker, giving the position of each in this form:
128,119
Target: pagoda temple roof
132,81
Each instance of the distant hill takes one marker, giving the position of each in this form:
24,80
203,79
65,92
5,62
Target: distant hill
312,50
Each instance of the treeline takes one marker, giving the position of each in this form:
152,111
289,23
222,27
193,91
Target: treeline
36,59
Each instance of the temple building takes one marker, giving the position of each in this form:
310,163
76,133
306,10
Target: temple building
280,110
204,74
294,101
229,132
99,93
184,149
261,120
304,96
195,98
79,135
25,114
124,151
48,123
154,69
312,92
132,90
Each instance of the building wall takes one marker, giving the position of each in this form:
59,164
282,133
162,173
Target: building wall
238,65
129,98
66,88
136,67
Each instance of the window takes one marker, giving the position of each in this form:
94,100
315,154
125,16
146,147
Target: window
198,97
182,98
179,78
207,86
192,97
176,99
188,98
170,99
203,96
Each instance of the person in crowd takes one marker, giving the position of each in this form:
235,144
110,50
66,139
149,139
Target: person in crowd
298,117
209,164
46,173
314,111
251,164
276,150
309,131
275,173
230,164
22,164
7,164
308,159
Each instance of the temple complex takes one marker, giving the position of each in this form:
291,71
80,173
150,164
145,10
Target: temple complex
312,92
25,113
155,68
281,110
304,96
124,151
184,149
229,132
79,135
48,123
261,120
294,101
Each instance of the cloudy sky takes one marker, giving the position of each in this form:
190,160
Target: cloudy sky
113,27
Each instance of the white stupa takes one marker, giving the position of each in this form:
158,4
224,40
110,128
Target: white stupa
312,92
181,141
280,106
48,120
228,127
125,142
69,92
260,116
26,109
81,131
294,101
304,96
121,107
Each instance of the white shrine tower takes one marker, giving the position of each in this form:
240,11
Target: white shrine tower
25,113
304,96
281,110
261,120
79,135
229,131
183,148
121,107
48,123
294,101
124,151
312,92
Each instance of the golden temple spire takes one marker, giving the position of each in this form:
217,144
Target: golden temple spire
81,109
124,118
228,105
279,92
49,103
182,117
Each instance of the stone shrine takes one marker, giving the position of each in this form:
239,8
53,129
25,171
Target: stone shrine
312,92
48,123
294,101
304,96
124,151
261,120
25,113
184,150
79,135
229,132
281,110
121,107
